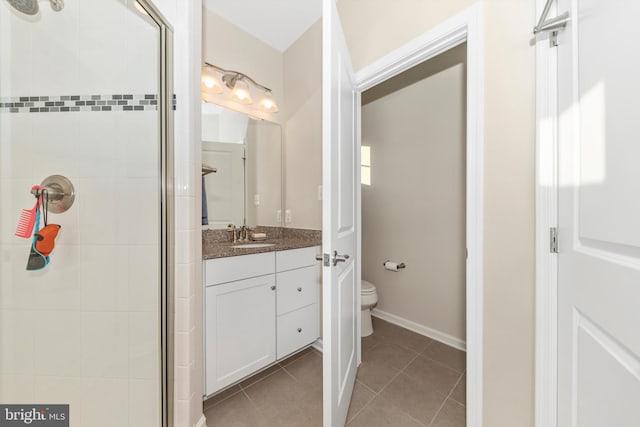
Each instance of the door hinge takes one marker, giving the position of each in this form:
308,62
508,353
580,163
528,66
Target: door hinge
553,39
553,240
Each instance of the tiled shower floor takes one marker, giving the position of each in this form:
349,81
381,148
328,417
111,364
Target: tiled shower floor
405,380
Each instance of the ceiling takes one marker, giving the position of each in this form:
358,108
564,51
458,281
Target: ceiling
276,22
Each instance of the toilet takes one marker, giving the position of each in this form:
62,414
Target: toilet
369,298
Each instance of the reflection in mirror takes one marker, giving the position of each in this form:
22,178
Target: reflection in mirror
242,169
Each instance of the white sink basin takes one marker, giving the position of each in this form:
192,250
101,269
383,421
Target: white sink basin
253,245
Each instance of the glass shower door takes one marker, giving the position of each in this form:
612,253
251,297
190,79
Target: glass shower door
80,97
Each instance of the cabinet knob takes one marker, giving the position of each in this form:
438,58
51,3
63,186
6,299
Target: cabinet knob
273,288
299,330
299,289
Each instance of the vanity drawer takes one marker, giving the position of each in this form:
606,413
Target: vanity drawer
297,329
223,270
296,258
297,289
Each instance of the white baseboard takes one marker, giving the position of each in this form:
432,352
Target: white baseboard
202,422
420,329
317,345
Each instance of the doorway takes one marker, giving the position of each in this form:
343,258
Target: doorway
465,27
413,239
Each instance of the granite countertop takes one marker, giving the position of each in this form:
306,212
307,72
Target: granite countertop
217,244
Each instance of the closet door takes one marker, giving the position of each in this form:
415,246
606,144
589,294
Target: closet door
599,213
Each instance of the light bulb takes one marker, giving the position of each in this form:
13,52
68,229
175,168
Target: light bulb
268,104
240,93
211,81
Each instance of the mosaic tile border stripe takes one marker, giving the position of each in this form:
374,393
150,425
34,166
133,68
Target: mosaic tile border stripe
76,103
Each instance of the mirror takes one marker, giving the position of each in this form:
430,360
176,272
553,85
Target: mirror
242,169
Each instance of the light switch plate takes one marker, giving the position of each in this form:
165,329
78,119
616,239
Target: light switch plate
287,216
256,199
319,192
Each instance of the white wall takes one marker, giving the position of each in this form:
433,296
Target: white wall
414,209
84,330
303,141
376,27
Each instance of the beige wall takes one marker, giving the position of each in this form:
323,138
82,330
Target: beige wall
376,27
303,131
414,210
230,47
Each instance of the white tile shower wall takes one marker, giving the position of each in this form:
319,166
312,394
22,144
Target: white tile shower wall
89,45
94,309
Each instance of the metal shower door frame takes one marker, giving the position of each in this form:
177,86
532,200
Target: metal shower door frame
166,188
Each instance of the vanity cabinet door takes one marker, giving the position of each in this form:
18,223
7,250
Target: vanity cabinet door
240,330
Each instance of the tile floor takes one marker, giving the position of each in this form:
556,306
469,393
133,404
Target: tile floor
405,380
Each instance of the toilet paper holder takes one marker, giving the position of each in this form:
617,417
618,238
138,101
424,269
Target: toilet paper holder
399,266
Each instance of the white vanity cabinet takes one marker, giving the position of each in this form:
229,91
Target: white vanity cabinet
258,309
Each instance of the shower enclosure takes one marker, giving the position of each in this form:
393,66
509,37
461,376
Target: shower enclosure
85,93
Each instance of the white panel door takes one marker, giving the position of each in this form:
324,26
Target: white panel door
599,215
340,179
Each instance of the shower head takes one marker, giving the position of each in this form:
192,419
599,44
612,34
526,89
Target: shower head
30,7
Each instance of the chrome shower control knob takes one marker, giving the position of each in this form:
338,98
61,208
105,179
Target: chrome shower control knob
58,193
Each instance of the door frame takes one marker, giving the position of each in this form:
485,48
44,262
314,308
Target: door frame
467,26
546,194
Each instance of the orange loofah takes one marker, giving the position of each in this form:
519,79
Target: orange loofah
46,239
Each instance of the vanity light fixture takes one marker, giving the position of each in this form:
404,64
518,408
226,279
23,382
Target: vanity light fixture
238,83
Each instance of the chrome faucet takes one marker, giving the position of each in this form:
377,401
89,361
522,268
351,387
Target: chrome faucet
233,230
245,233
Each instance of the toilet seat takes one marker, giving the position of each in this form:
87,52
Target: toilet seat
367,288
